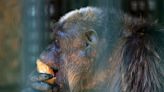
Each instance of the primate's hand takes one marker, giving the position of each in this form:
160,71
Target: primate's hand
37,82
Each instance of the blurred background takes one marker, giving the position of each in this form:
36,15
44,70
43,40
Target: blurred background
25,28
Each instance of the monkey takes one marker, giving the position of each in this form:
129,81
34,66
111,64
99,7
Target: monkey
133,65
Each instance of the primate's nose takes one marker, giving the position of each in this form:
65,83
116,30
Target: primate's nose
51,56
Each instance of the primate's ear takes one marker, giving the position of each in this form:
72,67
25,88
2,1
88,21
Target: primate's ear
91,37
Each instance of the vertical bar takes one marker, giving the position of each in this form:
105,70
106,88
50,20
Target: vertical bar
161,11
34,26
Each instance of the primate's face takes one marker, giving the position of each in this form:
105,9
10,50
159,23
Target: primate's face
74,48
72,51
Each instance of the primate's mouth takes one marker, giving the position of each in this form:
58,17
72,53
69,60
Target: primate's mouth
49,62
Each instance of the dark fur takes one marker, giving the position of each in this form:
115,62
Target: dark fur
140,58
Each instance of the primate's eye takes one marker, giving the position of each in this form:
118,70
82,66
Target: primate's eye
86,44
56,41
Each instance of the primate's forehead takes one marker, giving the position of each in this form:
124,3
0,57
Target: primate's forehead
66,27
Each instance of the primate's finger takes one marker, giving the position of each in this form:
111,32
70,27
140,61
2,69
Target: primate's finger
41,86
40,77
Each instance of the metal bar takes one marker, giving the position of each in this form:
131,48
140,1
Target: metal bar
34,35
